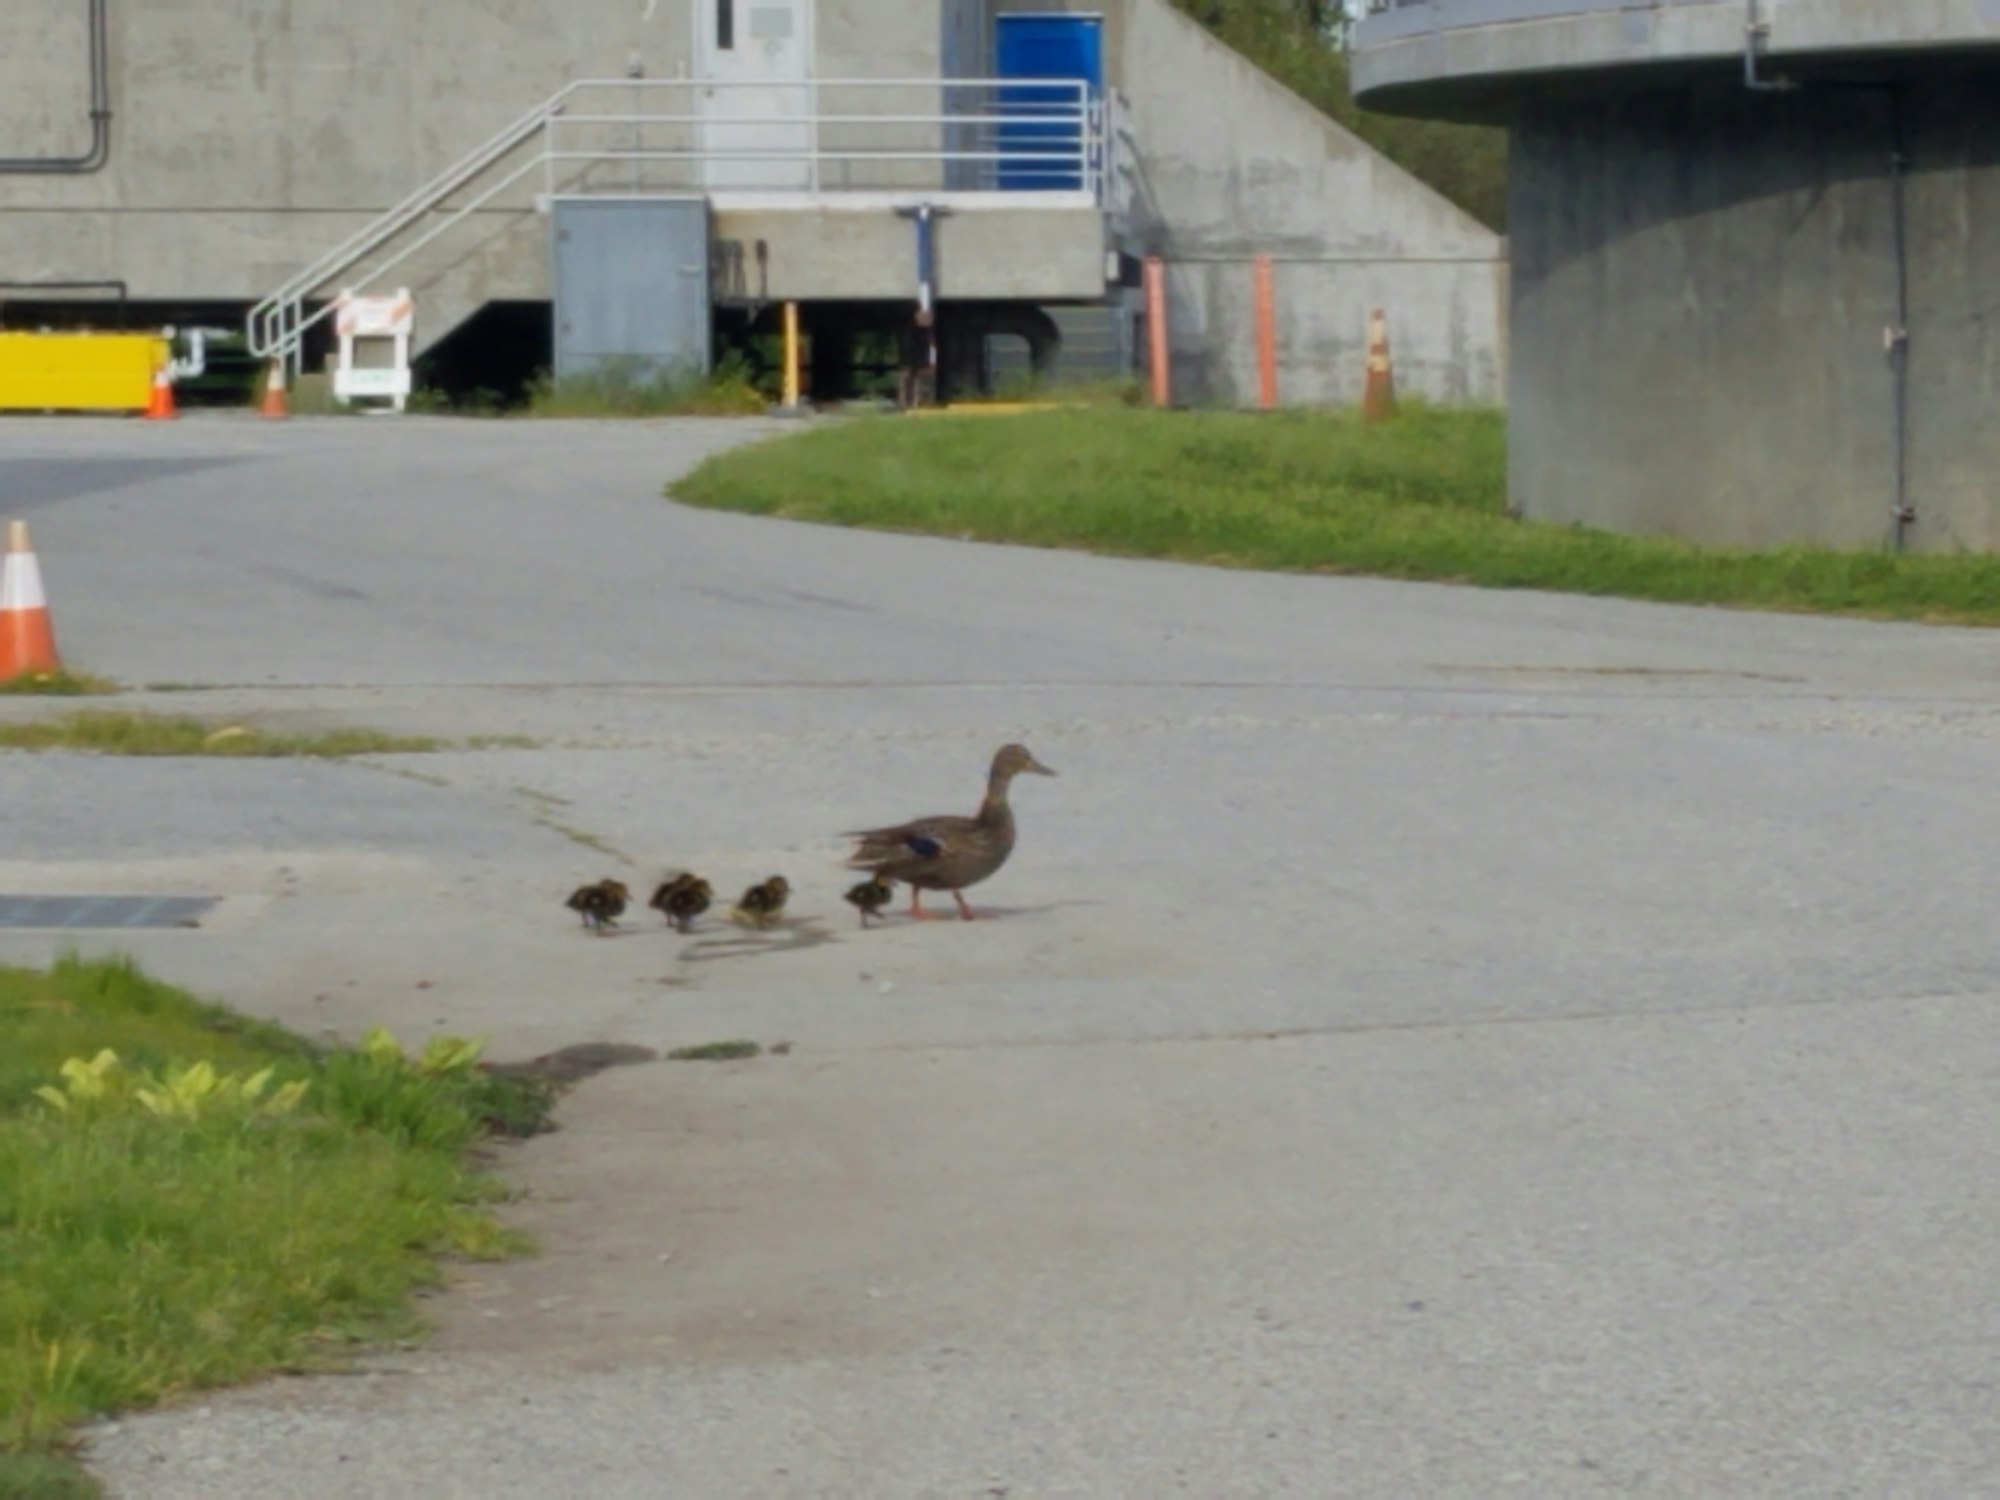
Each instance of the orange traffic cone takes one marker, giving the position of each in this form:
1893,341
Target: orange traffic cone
160,408
27,639
1378,397
274,393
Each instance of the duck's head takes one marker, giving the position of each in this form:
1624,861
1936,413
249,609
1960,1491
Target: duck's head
1015,759
777,885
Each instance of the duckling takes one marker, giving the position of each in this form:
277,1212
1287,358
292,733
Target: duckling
871,896
763,904
599,905
682,899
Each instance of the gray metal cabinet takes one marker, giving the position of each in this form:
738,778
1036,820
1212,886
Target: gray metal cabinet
632,286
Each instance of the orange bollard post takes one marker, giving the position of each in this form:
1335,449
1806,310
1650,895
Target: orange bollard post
1267,334
1378,397
1156,330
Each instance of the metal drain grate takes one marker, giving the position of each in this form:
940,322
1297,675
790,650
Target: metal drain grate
104,911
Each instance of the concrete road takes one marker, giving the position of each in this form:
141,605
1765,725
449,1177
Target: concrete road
1430,1042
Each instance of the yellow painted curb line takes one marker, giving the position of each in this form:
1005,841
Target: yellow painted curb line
993,409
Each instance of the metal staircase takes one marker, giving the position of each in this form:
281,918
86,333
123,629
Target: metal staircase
277,326
952,143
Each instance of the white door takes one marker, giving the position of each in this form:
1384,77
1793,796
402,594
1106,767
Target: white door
752,61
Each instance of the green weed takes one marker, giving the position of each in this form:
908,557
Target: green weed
61,683
632,388
150,734
190,1199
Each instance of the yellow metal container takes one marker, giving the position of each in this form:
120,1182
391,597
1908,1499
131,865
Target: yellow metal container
79,371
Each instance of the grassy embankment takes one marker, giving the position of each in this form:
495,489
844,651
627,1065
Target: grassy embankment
1421,497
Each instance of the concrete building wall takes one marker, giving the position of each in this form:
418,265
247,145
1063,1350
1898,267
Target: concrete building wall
868,39
1703,280
1229,164
251,137
965,44
1708,278
1471,59
983,254
318,106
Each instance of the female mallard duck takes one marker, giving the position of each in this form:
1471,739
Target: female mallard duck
949,853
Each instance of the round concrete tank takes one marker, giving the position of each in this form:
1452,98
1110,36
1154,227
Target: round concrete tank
1755,271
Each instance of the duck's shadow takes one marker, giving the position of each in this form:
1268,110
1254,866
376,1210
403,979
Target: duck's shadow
782,937
940,915
710,942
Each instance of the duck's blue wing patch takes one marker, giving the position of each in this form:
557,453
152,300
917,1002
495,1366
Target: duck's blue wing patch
924,844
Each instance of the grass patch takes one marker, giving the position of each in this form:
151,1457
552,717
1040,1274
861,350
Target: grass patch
1423,497
632,388
1031,390
179,1223
42,1476
150,734
715,1052
63,683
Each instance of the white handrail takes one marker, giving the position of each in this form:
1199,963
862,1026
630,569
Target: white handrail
267,316
277,325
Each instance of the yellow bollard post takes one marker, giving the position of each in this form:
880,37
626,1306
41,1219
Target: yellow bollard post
791,356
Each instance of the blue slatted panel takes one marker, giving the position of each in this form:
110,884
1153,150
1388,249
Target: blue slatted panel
1039,120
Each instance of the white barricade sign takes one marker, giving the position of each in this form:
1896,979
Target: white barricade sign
375,321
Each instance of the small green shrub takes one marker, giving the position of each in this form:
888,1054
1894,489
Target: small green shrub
628,387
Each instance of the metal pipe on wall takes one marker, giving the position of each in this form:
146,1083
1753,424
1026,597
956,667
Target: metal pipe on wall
1756,31
1903,514
100,112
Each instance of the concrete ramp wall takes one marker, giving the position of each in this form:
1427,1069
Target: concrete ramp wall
1230,164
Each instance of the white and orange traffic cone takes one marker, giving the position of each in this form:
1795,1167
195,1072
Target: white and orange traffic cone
1378,397
273,407
27,638
160,406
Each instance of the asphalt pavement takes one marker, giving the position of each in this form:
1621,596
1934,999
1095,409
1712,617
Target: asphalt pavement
1429,1042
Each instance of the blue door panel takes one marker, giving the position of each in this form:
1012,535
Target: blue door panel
1038,119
